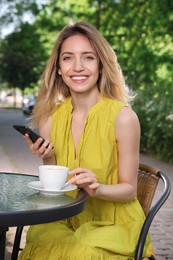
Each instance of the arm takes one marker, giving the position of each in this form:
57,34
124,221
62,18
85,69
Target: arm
45,151
127,132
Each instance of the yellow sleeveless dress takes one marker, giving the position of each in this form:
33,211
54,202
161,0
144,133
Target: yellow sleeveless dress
105,230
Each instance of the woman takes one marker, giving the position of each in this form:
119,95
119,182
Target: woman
83,112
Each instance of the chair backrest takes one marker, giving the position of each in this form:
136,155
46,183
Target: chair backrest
147,184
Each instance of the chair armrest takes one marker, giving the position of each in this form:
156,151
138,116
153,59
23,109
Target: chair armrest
154,209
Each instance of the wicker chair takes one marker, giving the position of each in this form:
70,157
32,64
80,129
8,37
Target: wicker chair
148,179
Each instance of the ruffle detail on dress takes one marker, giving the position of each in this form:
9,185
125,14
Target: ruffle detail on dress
62,251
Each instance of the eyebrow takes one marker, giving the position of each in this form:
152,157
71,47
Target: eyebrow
71,53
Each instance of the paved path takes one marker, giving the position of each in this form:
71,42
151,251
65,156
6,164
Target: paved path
162,226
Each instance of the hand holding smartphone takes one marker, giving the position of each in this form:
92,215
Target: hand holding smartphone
26,130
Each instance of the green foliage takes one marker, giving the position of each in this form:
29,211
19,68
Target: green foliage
155,112
14,12
22,57
140,32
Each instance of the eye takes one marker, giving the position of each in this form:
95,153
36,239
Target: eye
66,58
89,57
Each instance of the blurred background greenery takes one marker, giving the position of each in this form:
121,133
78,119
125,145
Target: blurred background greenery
140,32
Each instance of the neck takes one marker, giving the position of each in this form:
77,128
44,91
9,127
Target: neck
83,104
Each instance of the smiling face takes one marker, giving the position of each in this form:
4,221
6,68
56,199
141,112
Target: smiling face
79,65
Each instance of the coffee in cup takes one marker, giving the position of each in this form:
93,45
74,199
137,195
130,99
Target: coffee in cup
53,177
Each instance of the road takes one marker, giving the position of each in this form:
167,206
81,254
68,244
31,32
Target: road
12,144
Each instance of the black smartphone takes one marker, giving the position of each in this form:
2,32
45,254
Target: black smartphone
26,130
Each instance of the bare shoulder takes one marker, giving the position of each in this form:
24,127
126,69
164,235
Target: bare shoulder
127,124
127,116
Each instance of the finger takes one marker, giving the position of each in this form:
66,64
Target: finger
40,146
78,171
40,142
94,185
87,174
42,149
84,181
46,144
45,150
86,178
27,139
72,180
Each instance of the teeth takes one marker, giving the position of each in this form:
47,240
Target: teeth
79,77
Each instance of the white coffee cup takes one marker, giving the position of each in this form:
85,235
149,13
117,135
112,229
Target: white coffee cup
53,177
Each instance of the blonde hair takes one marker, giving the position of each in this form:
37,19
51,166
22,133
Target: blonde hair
53,90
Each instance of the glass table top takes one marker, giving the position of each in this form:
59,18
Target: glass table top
21,205
16,196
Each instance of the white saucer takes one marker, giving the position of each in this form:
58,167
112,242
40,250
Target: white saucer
36,185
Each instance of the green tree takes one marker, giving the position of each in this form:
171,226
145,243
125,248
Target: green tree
140,32
15,12
22,57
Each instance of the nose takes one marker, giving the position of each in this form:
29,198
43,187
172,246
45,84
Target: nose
78,64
